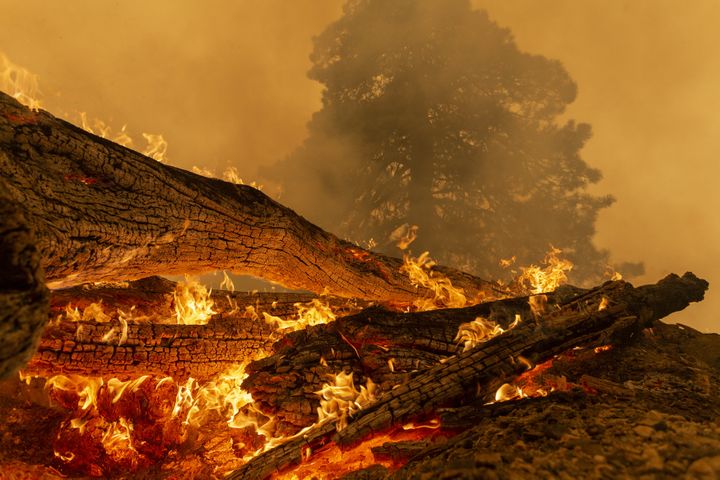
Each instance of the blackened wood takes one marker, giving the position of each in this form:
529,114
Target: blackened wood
580,322
23,296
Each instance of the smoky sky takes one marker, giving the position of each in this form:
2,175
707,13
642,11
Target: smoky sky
225,83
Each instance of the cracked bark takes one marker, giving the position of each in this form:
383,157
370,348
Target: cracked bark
577,322
23,296
180,351
102,212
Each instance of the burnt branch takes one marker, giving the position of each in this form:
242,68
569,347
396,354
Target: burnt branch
586,320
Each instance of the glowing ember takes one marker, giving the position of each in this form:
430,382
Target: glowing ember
548,278
603,304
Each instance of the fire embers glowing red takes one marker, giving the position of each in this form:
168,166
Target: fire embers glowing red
114,433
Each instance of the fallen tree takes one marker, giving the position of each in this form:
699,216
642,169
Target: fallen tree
103,212
97,211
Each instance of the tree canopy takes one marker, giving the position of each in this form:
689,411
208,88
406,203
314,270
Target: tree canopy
432,116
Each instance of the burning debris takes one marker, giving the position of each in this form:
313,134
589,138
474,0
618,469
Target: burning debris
153,379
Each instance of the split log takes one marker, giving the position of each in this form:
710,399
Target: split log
23,295
181,351
102,212
146,346
612,313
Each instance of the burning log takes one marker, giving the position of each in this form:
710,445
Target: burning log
612,313
136,338
135,349
102,212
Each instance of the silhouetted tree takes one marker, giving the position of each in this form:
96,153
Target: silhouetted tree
433,117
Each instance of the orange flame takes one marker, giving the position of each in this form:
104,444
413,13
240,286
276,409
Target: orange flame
548,278
341,399
419,270
19,83
193,304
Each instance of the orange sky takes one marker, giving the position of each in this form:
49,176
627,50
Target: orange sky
225,82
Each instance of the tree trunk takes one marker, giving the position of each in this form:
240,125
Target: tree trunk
102,212
586,321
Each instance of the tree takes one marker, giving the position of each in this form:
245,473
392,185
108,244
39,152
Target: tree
432,116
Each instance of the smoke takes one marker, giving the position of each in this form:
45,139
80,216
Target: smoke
648,75
224,81
226,84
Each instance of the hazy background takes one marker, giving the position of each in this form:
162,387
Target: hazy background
225,83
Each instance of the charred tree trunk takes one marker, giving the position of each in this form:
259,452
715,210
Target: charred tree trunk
586,320
102,212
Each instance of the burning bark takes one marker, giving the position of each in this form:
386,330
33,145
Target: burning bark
612,313
138,334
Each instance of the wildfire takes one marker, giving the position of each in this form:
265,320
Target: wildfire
420,272
86,388
315,312
222,396
93,312
19,83
156,146
547,278
230,174
404,235
508,392
481,330
117,440
193,304
603,304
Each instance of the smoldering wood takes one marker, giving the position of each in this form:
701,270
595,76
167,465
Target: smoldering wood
577,322
103,212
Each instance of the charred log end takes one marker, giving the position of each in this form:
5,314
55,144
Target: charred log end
24,298
673,293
